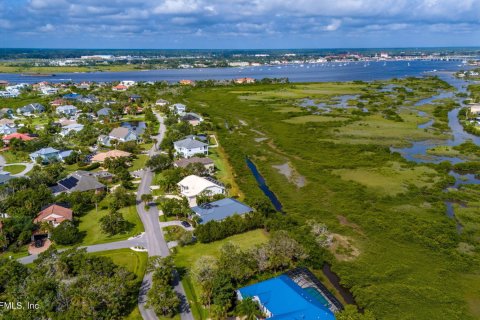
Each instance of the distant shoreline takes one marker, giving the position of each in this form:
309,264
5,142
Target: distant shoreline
51,71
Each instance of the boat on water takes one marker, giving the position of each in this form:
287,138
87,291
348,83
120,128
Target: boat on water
34,74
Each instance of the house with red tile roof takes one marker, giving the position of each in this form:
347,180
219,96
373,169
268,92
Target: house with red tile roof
58,102
21,136
120,87
54,214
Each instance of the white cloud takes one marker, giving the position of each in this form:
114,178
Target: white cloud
177,7
47,28
334,25
246,18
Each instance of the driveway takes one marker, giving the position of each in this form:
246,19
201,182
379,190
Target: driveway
137,242
175,223
28,166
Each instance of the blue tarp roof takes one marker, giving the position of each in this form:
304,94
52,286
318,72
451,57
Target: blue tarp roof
287,300
220,209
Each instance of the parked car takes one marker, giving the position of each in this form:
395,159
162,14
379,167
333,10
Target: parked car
186,224
38,243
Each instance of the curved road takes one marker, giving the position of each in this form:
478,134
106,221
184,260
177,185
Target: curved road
28,166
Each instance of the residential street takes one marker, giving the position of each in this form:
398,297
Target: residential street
156,244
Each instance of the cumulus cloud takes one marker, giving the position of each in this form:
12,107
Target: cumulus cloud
334,25
47,28
212,19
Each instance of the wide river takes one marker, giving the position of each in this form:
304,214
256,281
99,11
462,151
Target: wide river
295,72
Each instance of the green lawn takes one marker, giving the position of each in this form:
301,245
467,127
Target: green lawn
224,171
90,223
188,255
139,163
22,252
133,261
14,169
16,157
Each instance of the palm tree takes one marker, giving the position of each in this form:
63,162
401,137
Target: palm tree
146,198
248,309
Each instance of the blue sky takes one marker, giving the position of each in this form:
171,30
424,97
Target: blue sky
238,24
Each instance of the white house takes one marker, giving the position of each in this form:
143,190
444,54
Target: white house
67,110
49,154
7,128
161,102
475,109
179,108
192,186
119,134
127,83
47,90
189,147
74,127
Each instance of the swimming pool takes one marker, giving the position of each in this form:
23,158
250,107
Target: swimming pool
317,295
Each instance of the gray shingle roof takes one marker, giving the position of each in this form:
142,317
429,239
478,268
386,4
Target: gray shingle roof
182,163
189,143
78,181
221,209
119,133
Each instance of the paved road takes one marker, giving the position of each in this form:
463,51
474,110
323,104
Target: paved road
156,244
137,242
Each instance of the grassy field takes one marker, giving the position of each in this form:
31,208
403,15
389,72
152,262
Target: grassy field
133,261
409,266
90,224
314,118
224,171
14,169
17,157
391,180
186,257
139,163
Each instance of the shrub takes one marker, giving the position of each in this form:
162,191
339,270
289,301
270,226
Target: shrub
66,233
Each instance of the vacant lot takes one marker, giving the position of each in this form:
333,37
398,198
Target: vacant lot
90,225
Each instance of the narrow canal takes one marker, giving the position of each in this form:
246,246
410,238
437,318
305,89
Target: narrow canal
263,185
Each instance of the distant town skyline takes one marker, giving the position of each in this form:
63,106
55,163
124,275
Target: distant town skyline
239,24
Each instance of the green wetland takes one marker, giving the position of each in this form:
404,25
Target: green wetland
328,158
